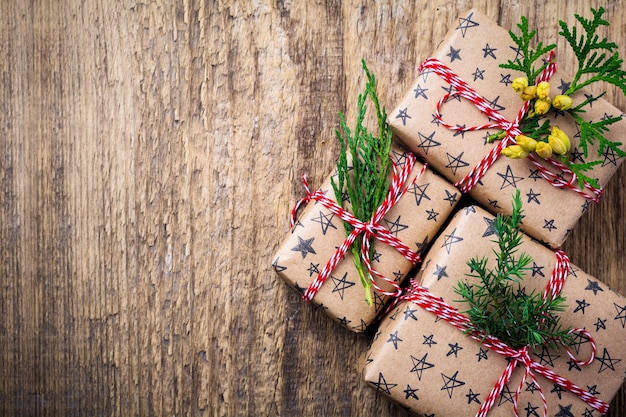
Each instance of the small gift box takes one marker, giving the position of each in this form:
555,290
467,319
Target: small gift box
462,97
422,358
315,261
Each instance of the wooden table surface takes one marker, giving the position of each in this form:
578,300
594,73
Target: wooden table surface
150,155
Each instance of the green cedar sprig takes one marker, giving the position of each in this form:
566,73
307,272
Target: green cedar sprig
363,169
499,305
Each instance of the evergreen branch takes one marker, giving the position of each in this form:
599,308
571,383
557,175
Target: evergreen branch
594,131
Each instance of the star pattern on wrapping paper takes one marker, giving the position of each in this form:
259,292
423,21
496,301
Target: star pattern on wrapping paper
588,412
395,314
494,104
402,114
409,313
420,92
593,390
610,157
508,178
454,54
427,142
545,357
549,224
564,411
410,392
589,97
489,51
578,340
378,301
422,245
313,269
531,387
325,220
341,284
460,131
506,395
494,203
399,157
398,275
277,267
581,305
450,89
440,271
466,23
531,411
491,230
518,52
435,120
585,206
395,226
393,338
450,240
482,354
621,314
383,385
456,162
361,327
534,174
564,86
600,324
376,256
505,79
419,191
450,383
304,246
606,362
472,397
533,196
432,214
537,270
571,363
298,223
450,197
577,156
479,74
593,286
420,365
428,340
454,349
344,321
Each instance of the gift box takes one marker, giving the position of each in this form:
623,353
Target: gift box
427,364
473,51
425,202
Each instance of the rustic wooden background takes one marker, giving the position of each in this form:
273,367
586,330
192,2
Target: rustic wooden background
149,155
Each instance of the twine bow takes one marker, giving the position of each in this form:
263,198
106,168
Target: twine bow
369,229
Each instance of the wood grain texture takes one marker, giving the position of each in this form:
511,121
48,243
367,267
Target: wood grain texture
149,156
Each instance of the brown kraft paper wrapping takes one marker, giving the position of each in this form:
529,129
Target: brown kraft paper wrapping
474,49
432,368
415,219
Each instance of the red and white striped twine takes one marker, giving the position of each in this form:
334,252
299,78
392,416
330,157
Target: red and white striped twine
423,298
369,229
463,89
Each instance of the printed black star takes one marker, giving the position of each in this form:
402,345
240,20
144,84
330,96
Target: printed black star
450,240
420,365
402,114
313,269
395,226
454,54
395,314
399,157
506,395
409,313
537,270
393,338
422,245
398,275
419,91
549,224
509,179
494,204
469,209
428,340
278,268
435,120
304,247
450,89
593,390
460,131
382,384
494,104
378,300
600,324
564,411
450,198
440,272
532,196
589,97
531,411
466,23
588,412
505,79
606,362
610,157
321,306
410,392
573,365
482,354
325,220
376,256
427,142
479,74
345,196
491,230
298,223
531,387
472,397
581,304
585,205
578,340
450,383
558,390
577,156
534,175
361,327
545,357
593,286
341,284
454,349
419,191
432,215
344,321
621,314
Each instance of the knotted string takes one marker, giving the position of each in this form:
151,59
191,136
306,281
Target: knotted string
511,128
425,299
369,229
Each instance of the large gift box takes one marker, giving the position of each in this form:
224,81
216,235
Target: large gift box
473,50
319,232
425,363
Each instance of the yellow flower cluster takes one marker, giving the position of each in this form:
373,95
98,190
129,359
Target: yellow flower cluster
558,143
541,94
